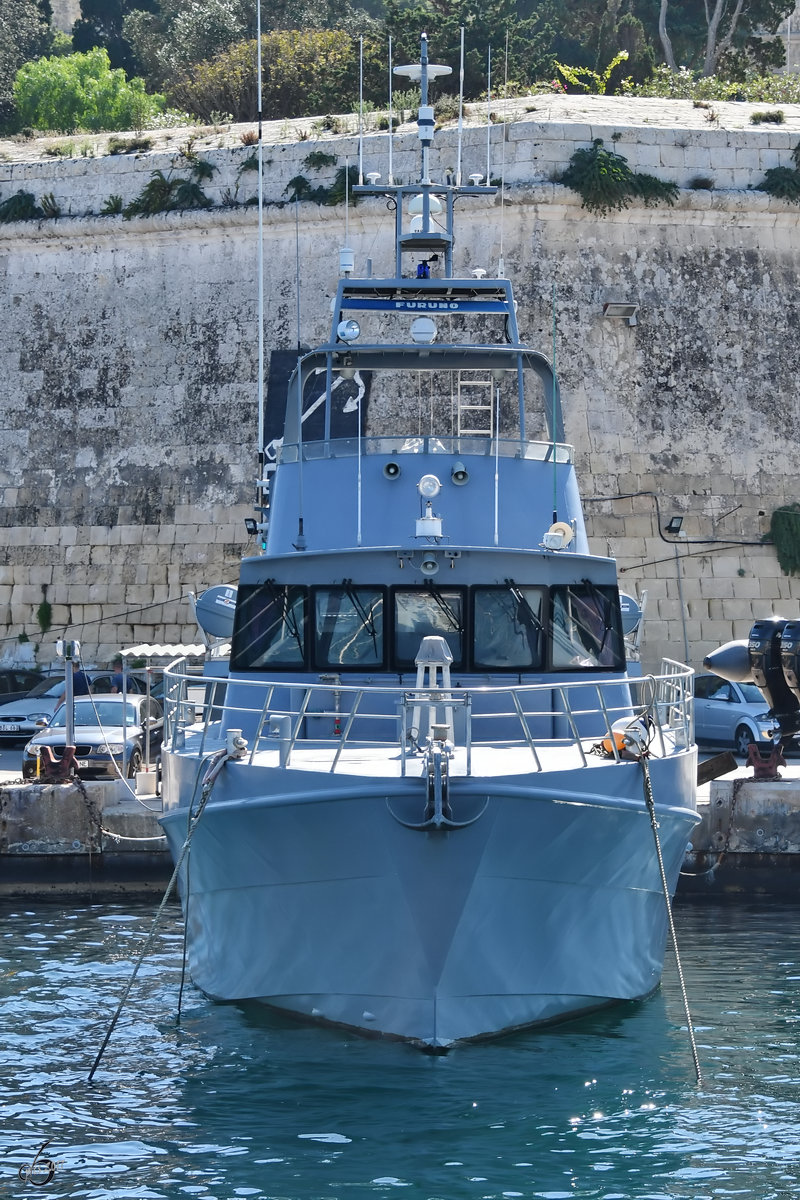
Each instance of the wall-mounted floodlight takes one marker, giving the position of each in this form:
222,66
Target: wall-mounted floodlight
348,330
673,526
625,312
251,525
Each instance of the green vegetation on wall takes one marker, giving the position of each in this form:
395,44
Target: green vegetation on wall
20,207
604,181
784,182
784,530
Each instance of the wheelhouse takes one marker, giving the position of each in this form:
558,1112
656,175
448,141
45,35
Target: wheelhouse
513,628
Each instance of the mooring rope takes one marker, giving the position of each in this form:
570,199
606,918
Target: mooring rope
214,764
651,808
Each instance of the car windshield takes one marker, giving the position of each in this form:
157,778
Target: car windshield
102,712
48,687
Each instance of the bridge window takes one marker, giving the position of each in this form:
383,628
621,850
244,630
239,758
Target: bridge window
270,627
507,628
421,612
586,628
348,627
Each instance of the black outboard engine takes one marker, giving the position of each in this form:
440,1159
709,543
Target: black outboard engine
731,662
766,665
790,656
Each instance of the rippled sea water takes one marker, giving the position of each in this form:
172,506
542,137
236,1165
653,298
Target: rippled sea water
233,1102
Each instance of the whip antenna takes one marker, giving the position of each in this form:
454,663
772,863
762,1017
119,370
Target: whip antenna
391,132
300,544
361,110
501,268
460,110
555,472
260,267
488,116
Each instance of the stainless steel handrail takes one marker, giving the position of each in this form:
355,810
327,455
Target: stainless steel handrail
664,701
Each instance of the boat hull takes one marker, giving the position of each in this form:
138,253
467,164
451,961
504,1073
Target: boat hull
323,902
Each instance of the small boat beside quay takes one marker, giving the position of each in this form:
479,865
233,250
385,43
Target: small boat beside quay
431,802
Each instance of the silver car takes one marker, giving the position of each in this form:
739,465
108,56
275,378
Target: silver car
18,720
113,736
730,715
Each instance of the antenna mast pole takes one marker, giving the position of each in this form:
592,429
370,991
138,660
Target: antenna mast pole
391,132
260,266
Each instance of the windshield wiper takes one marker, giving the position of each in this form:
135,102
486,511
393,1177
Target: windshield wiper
600,599
281,597
365,614
523,602
447,609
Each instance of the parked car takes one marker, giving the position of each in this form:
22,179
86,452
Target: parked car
16,682
111,736
730,715
18,719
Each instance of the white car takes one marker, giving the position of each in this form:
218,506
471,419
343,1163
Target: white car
731,715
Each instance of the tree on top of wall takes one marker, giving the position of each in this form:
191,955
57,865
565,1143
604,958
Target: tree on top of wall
705,35
24,34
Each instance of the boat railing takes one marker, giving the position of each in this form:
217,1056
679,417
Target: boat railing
485,446
334,718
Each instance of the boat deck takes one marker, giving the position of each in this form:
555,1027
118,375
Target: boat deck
485,762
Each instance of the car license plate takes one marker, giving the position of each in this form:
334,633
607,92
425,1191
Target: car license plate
9,728
81,762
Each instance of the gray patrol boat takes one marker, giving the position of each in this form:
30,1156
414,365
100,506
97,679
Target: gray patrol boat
430,802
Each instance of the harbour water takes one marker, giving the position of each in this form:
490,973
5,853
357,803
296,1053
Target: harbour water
233,1102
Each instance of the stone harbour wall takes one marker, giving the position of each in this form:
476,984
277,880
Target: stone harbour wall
129,351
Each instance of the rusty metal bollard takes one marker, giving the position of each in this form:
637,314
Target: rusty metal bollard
765,766
56,770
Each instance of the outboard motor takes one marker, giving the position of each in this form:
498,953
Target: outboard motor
764,646
790,656
731,662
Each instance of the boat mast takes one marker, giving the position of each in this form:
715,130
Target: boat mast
262,484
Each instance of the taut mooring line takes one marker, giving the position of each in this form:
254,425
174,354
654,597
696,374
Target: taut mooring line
214,765
651,808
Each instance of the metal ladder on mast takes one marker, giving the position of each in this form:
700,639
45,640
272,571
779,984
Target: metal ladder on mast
475,419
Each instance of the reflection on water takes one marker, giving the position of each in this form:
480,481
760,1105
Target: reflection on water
237,1102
